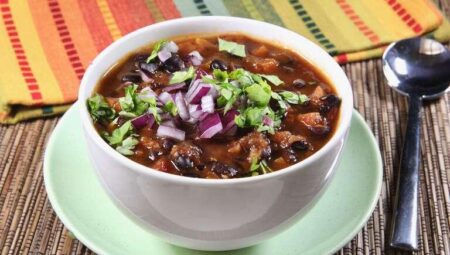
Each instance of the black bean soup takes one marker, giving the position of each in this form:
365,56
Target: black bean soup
223,106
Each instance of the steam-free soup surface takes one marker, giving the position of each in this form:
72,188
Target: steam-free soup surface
222,106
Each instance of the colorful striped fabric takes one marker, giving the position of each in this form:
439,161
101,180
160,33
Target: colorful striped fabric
47,45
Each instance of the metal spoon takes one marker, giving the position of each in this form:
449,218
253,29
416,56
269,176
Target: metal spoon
420,69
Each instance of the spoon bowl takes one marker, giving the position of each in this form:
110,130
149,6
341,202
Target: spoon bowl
420,69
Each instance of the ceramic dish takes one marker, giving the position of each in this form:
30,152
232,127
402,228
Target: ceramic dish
85,209
215,214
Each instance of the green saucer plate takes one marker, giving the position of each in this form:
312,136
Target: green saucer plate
84,208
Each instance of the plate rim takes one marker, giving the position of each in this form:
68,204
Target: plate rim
52,197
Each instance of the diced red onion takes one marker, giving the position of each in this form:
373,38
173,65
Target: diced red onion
195,58
171,47
228,120
195,111
181,105
174,87
146,93
192,87
165,97
213,92
144,76
210,126
195,94
143,120
208,104
164,55
168,123
170,132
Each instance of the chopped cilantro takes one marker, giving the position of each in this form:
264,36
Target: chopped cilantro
259,94
221,76
232,48
171,108
119,134
272,79
99,108
158,46
127,146
181,76
303,98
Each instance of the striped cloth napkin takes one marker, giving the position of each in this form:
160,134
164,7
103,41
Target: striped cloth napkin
47,45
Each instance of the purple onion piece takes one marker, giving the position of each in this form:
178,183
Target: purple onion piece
195,58
168,123
171,47
174,87
170,132
267,121
228,120
200,91
142,121
144,76
164,55
165,97
207,104
210,125
181,106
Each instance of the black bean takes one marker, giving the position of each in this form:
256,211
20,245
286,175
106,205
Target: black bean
301,145
218,64
141,58
223,169
328,102
183,163
289,155
167,144
299,83
131,77
174,63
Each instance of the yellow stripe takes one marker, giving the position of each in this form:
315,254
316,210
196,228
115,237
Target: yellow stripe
344,35
390,27
290,18
109,19
250,7
37,60
12,84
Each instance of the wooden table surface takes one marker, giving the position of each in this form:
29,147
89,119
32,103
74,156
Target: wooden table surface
29,225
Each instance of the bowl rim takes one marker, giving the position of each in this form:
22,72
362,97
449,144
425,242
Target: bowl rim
344,90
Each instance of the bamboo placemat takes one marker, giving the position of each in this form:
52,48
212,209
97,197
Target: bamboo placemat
29,225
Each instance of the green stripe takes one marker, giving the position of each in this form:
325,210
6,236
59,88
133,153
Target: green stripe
187,8
266,10
312,27
217,7
235,8
201,7
47,110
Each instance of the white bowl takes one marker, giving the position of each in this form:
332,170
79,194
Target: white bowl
215,214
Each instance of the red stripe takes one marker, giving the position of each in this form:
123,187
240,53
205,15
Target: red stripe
405,16
130,15
168,9
24,65
358,22
94,20
65,38
341,58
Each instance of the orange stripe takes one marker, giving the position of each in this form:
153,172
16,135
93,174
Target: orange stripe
405,16
130,15
168,9
22,60
79,30
58,53
66,38
358,22
109,19
95,23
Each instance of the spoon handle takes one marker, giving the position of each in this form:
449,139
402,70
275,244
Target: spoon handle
404,223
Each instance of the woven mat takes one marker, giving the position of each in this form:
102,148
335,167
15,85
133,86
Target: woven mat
29,225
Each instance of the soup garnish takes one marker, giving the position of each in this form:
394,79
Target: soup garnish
215,107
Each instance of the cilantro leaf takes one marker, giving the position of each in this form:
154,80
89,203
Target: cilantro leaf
258,94
221,76
127,146
99,108
181,76
290,97
302,98
272,79
158,46
119,134
171,108
232,48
